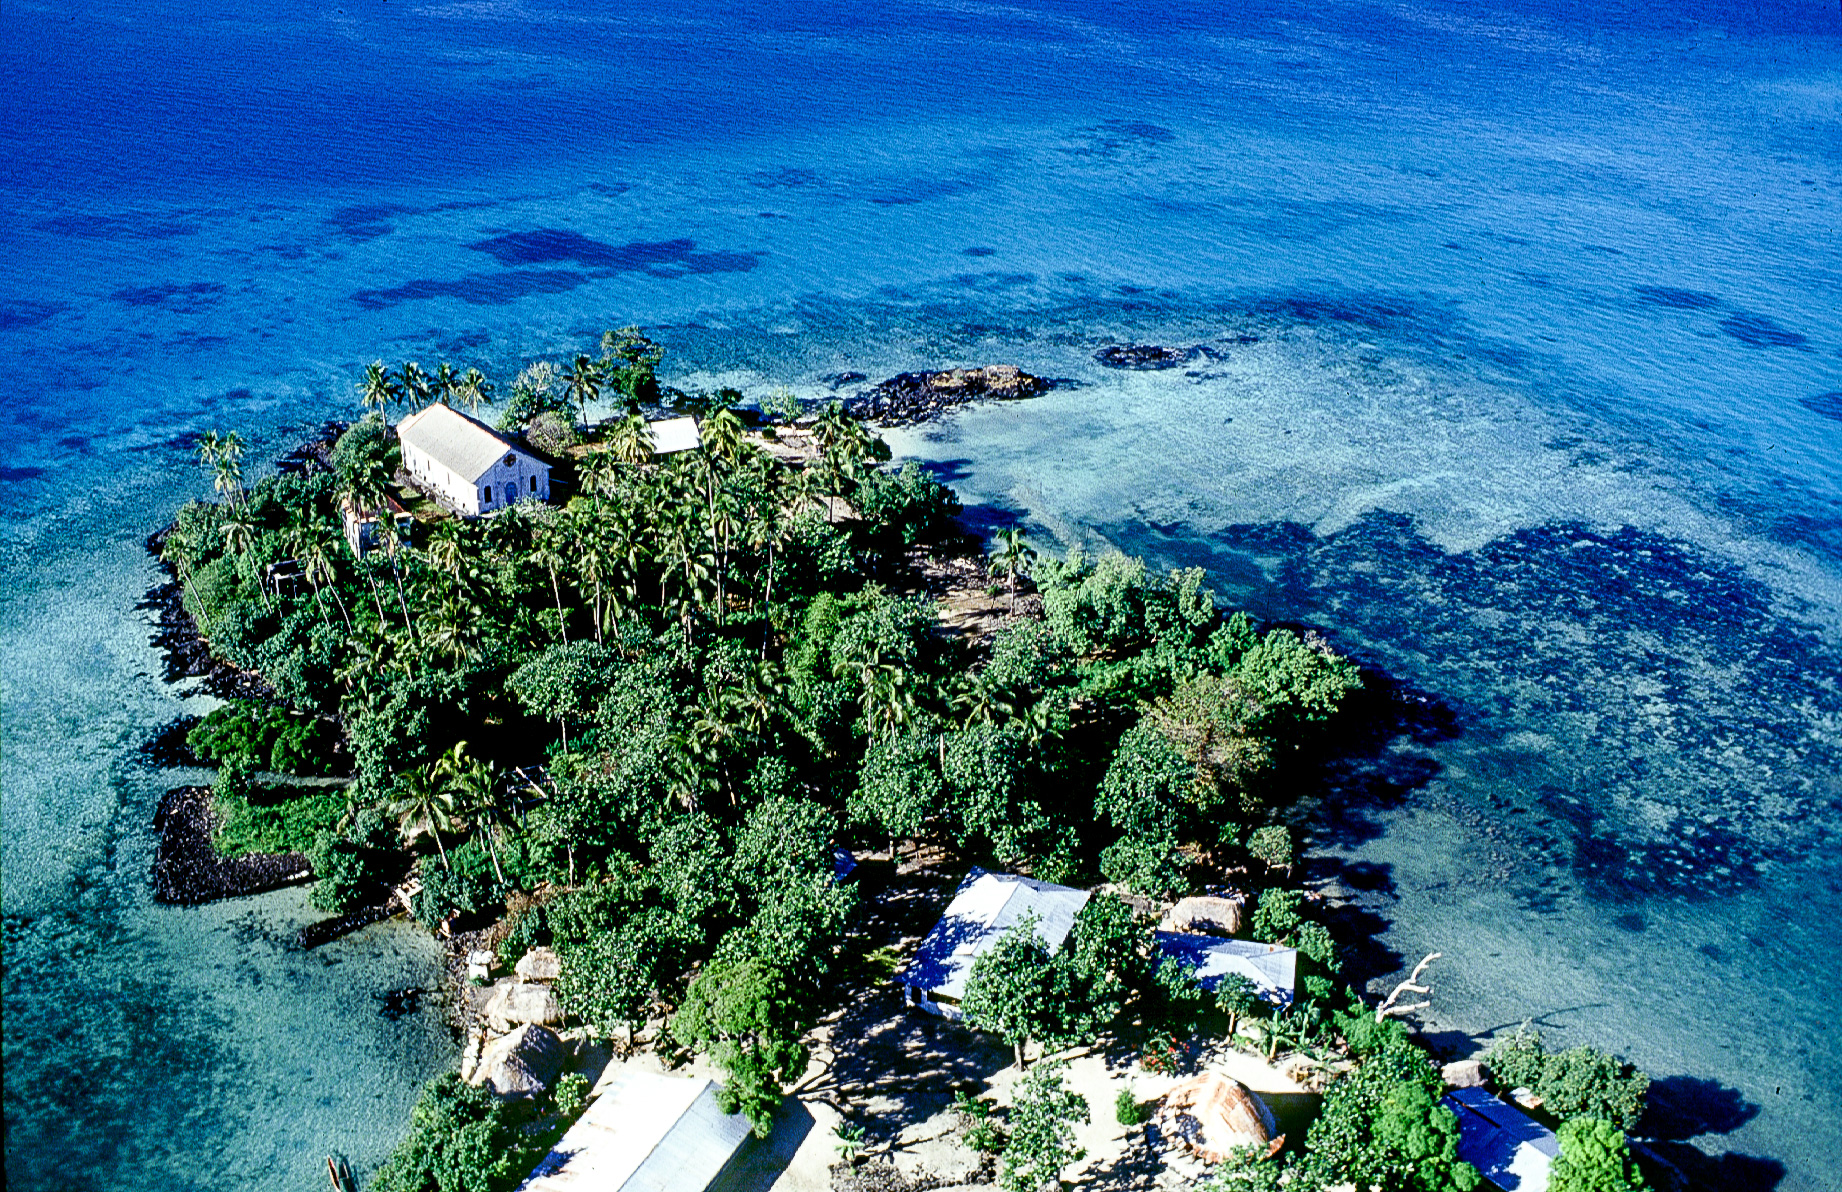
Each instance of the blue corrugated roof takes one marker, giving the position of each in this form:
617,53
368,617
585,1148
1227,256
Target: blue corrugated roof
1508,1147
985,906
1272,969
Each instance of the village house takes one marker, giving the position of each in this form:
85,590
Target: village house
467,467
645,1132
361,524
1510,1149
1269,968
672,435
985,906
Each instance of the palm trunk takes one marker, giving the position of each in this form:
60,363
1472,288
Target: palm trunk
556,591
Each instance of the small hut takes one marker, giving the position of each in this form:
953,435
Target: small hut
1212,1114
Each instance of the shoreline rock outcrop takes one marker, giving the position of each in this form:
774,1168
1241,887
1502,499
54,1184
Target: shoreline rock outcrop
915,397
188,871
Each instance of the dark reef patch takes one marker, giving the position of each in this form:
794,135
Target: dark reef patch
366,222
187,299
1824,405
903,192
1115,138
130,226
25,313
1675,299
979,250
1757,331
480,289
12,475
786,177
659,258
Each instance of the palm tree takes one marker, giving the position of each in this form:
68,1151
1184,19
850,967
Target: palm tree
379,390
446,552
474,390
422,799
631,440
582,384
445,384
843,446
1014,558
596,472
474,786
367,491
314,550
551,549
417,387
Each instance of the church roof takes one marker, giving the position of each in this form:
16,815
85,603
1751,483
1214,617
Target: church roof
453,440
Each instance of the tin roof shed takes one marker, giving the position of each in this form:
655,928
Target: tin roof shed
644,1133
985,906
1272,969
1510,1149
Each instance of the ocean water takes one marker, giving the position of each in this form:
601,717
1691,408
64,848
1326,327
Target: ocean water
1523,383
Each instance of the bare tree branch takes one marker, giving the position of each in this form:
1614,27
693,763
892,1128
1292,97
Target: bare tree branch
1389,1009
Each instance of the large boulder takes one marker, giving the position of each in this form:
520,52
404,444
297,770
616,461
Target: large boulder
1463,1074
522,1065
539,964
514,1002
1212,1114
1210,916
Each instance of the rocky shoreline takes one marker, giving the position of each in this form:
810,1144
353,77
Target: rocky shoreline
915,397
187,869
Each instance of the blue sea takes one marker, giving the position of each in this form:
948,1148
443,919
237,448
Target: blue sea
1521,379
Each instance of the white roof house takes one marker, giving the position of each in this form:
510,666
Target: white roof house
1510,1149
467,466
644,1132
985,906
1273,970
672,435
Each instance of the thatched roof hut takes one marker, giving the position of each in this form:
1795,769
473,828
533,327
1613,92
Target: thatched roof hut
1213,1114
1212,916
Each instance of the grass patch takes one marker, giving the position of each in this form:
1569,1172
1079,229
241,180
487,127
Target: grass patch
273,819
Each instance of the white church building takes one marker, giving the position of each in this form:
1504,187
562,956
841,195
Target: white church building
466,466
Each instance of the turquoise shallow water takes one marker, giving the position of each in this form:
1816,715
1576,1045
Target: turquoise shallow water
1525,324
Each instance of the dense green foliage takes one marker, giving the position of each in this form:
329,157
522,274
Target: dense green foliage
461,1139
260,737
1595,1157
1044,1114
269,819
1381,1127
742,1013
1578,1082
641,721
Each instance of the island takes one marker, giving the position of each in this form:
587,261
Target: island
729,766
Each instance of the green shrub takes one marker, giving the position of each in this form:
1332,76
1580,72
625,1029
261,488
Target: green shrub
1578,1082
465,886
908,502
260,737
1128,1110
571,1094
356,865
270,819
1272,846
1277,916
461,1139
1595,1157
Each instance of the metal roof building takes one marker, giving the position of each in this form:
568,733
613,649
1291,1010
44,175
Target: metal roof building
984,907
644,1133
1510,1149
672,435
1272,969
459,461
